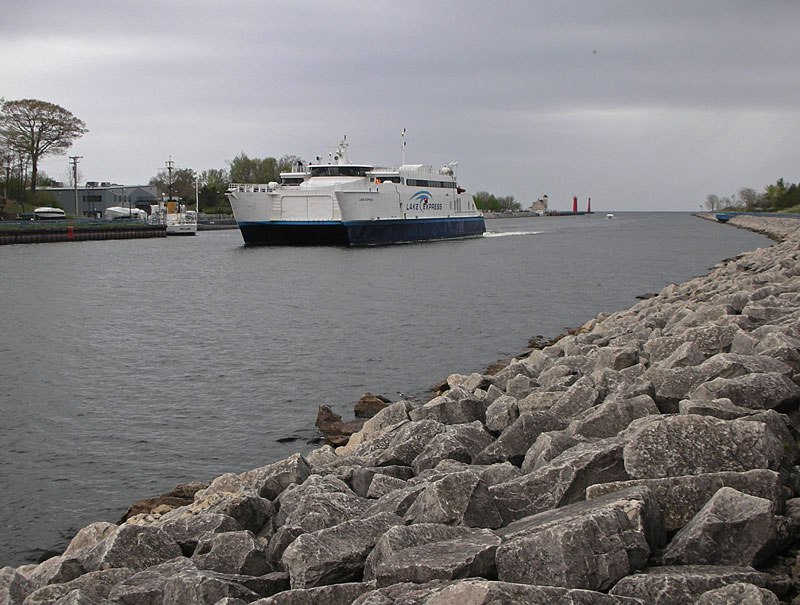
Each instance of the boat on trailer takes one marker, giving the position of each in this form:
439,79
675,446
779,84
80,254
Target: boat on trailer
45,213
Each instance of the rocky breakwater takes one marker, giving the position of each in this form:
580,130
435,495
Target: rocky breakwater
649,458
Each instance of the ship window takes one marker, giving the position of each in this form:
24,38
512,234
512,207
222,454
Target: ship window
435,184
340,170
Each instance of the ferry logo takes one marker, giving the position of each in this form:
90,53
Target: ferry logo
420,200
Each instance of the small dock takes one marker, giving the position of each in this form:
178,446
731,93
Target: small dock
43,231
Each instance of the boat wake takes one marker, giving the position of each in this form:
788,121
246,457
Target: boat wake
509,233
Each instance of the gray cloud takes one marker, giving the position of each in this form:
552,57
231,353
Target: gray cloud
638,105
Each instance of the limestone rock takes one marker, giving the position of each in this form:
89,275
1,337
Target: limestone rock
588,545
612,416
501,413
269,481
384,484
731,529
547,446
447,410
427,551
561,481
409,442
96,584
683,583
334,594
90,535
457,499
186,531
681,498
514,442
740,593
132,546
460,442
388,417
249,511
335,554
665,446
14,586
235,552
755,391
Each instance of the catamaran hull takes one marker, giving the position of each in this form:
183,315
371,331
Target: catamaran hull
367,233
276,233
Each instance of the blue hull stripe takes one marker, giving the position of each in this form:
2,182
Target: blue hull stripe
358,233
289,233
363,233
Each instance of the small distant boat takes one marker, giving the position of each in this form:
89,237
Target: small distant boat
120,212
48,213
173,214
609,215
723,218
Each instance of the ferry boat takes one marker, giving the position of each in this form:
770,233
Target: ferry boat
341,203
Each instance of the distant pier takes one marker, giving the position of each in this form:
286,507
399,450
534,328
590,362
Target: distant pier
37,232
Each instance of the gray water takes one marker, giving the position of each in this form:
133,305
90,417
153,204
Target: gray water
130,366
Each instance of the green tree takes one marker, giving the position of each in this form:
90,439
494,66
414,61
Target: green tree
213,183
253,170
38,129
183,183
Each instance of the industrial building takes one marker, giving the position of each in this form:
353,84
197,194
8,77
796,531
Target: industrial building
94,197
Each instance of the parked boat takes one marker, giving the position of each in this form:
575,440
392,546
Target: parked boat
120,212
341,203
173,214
48,213
723,218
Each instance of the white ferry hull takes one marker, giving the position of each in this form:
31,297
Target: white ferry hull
388,214
287,218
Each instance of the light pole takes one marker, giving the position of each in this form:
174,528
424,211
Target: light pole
74,159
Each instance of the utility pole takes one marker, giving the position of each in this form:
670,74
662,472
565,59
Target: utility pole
74,159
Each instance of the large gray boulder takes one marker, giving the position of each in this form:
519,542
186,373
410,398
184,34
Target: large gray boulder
186,531
733,528
317,511
755,391
409,442
674,584
546,447
132,546
501,413
179,581
588,545
561,481
514,442
476,591
612,416
235,552
249,511
14,586
668,446
269,481
335,554
447,410
740,593
681,498
396,502
427,551
460,442
334,594
95,584
460,498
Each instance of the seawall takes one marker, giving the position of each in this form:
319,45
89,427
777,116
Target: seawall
648,457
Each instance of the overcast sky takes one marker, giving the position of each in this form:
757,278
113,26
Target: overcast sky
637,104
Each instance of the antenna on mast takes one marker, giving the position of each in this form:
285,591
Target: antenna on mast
403,145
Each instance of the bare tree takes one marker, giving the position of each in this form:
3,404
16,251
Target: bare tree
38,129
